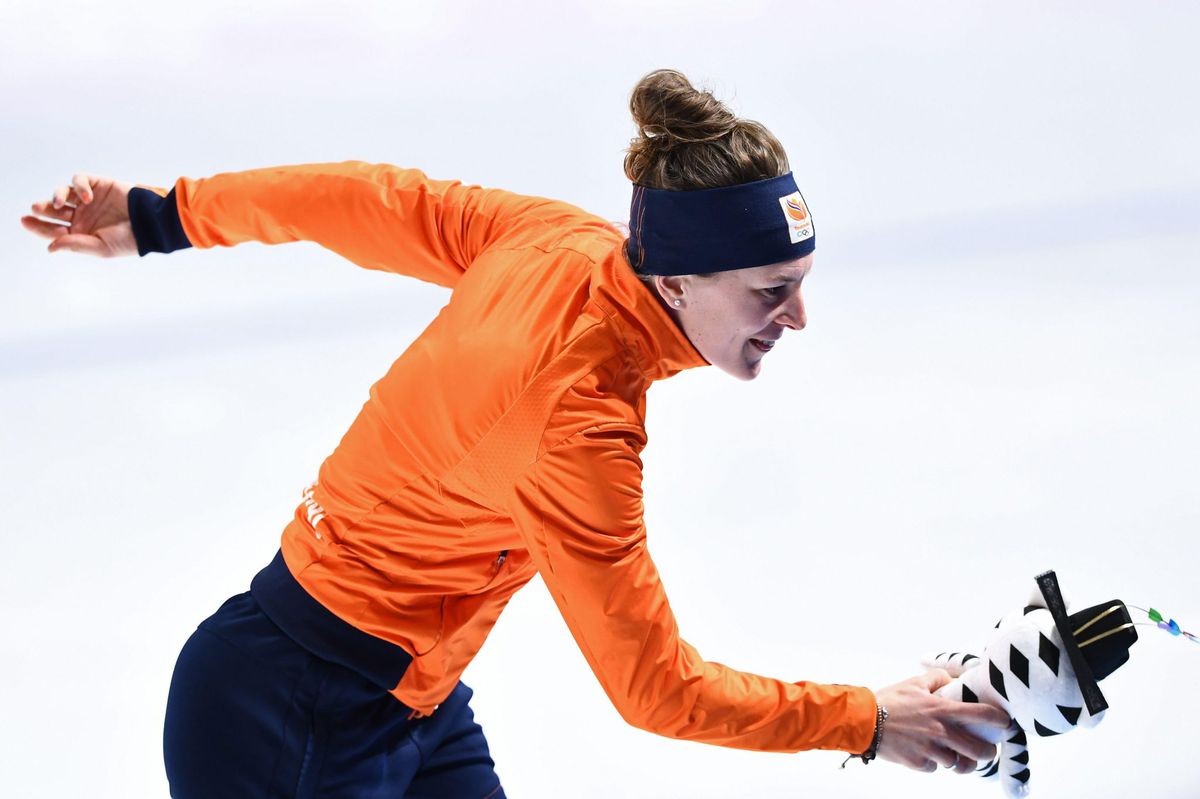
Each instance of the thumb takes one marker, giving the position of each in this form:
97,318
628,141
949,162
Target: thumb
75,242
933,679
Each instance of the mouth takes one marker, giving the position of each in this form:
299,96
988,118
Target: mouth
764,345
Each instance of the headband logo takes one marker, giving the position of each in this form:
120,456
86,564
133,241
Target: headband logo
795,213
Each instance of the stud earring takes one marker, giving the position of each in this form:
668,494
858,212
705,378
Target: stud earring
678,303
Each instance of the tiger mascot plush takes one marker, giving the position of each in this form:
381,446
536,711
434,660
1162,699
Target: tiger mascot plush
1042,667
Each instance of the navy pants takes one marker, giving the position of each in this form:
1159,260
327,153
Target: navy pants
253,714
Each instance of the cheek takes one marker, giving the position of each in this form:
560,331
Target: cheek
730,322
748,318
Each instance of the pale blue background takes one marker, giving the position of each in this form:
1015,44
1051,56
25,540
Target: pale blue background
1001,373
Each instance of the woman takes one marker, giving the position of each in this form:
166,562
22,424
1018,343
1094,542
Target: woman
504,442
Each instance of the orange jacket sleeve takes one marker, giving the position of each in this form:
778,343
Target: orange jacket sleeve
580,509
377,215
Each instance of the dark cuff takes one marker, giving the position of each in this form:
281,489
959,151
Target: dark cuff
155,222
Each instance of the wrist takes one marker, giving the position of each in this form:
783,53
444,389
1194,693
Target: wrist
881,715
154,220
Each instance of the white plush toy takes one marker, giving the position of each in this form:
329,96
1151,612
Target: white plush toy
1041,667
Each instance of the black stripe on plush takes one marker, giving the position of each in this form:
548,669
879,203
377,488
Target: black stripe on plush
1045,732
997,680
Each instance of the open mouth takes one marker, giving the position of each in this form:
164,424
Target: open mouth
764,346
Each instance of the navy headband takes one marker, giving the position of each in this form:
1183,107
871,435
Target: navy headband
715,230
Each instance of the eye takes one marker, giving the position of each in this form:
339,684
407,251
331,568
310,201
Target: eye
774,292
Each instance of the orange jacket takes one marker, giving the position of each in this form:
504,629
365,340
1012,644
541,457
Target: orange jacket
505,441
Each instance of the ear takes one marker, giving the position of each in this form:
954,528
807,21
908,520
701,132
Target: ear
1036,600
671,287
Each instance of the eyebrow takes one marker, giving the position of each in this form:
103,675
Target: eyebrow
787,278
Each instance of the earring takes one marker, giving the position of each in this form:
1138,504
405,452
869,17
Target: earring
678,303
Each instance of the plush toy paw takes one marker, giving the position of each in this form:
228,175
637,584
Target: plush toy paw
953,662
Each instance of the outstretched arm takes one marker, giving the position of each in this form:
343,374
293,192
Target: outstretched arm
579,508
377,215
580,511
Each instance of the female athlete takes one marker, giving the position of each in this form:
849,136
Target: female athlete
504,442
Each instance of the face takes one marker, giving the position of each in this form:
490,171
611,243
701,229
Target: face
734,318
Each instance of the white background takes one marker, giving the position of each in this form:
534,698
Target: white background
1001,372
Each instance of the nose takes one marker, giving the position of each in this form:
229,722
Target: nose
792,314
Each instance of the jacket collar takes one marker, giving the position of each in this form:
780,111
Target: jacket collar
659,345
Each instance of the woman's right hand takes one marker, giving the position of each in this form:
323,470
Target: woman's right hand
89,216
924,731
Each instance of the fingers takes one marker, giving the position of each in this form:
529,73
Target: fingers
980,713
944,757
47,209
75,242
79,192
966,745
64,195
49,230
965,765
950,759
61,237
82,183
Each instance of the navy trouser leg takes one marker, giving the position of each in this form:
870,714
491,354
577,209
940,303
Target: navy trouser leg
235,724
444,755
253,714
456,757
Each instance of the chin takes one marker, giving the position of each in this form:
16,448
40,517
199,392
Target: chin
744,364
743,371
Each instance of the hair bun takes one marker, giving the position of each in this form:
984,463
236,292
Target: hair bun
688,139
668,110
